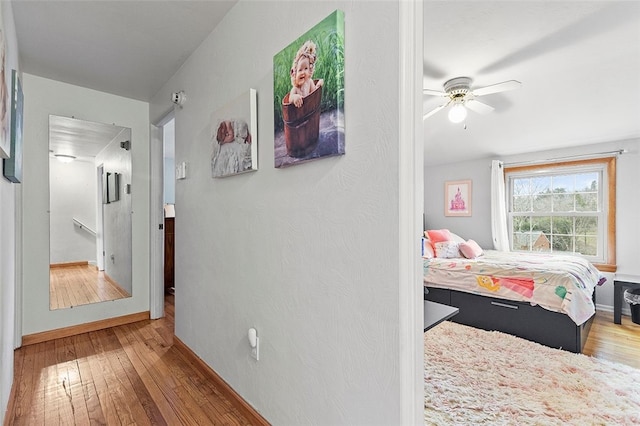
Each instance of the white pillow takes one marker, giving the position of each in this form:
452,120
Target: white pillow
447,249
457,238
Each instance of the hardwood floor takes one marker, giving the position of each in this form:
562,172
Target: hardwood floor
80,284
614,342
131,374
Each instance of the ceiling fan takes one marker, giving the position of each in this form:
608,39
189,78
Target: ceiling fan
460,95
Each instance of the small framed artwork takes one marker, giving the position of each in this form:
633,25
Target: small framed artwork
5,92
308,89
457,198
234,130
112,187
12,167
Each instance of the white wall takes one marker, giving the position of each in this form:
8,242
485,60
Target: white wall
478,226
308,254
41,98
10,235
72,192
169,143
117,214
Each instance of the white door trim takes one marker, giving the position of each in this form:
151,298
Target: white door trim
156,218
100,218
411,206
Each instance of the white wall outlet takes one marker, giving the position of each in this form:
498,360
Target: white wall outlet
254,342
255,351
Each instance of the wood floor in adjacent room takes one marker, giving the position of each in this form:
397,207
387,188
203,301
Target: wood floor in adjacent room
125,375
614,342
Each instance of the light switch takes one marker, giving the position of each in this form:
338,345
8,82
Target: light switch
181,170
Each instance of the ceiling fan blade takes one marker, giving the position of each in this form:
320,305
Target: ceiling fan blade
477,106
498,87
433,111
432,92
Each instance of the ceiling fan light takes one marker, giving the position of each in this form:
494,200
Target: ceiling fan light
65,158
457,113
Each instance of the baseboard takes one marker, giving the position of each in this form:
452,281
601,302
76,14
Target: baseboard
243,406
626,310
604,308
44,336
69,264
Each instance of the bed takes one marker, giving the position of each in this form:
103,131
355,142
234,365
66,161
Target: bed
549,299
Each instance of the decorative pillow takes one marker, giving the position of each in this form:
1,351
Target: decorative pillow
438,235
457,238
427,249
471,249
447,249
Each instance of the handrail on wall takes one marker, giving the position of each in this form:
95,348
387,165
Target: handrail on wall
83,226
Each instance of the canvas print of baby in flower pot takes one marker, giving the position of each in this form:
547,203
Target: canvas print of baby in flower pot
309,95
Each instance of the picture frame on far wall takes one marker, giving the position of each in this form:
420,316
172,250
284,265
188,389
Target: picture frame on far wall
5,92
12,166
457,198
113,187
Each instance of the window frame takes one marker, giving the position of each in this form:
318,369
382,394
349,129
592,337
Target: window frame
608,203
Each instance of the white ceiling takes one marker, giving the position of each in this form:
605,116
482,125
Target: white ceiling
578,61
81,139
126,47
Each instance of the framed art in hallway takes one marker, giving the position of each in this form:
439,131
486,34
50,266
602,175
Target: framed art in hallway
12,167
457,198
234,130
5,101
308,88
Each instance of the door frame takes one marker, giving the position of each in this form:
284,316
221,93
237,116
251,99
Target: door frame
156,217
100,218
411,208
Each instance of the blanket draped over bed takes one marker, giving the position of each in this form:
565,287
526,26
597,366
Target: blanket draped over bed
560,283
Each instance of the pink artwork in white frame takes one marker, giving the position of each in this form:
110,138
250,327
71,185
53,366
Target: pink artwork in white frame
457,198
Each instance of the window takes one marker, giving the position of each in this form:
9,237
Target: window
564,207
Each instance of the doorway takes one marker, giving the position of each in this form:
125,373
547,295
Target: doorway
169,200
162,153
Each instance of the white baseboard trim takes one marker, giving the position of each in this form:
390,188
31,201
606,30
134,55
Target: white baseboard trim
609,308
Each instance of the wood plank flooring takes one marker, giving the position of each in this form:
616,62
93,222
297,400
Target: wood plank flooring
614,342
126,375
80,284
133,374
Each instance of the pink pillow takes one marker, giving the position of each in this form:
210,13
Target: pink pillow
471,249
427,249
439,235
447,249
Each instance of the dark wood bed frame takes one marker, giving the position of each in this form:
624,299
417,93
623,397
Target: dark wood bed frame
520,319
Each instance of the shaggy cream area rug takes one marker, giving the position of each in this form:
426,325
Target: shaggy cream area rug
477,377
